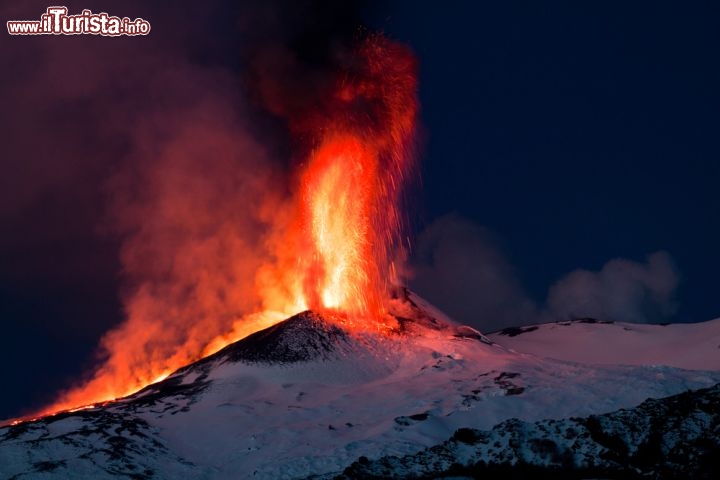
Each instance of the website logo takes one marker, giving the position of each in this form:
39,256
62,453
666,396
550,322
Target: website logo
56,21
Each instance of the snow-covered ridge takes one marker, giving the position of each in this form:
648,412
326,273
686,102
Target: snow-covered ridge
671,438
693,346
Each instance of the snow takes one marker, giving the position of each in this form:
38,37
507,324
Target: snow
673,437
693,346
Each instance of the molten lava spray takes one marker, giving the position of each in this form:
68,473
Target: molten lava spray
349,224
203,275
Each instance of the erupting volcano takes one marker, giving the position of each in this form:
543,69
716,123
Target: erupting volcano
335,244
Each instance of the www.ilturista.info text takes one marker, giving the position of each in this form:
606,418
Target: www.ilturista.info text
56,21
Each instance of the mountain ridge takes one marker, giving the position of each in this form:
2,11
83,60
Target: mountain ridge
693,346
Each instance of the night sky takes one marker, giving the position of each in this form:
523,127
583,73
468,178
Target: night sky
569,161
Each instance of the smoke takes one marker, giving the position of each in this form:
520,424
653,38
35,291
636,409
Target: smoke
191,205
622,290
186,188
458,266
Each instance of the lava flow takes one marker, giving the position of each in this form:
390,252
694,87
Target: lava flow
338,246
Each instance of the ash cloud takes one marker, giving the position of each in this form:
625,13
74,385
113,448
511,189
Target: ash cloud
459,266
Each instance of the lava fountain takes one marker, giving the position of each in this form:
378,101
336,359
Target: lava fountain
339,244
351,187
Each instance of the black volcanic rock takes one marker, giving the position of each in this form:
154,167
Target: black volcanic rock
515,331
304,337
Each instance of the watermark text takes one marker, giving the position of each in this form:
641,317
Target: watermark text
56,21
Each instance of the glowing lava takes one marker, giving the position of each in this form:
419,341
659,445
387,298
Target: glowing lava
335,245
350,190
338,212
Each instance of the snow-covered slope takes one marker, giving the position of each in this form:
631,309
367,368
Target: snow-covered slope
306,397
682,345
670,438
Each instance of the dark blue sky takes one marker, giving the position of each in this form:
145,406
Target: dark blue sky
576,133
